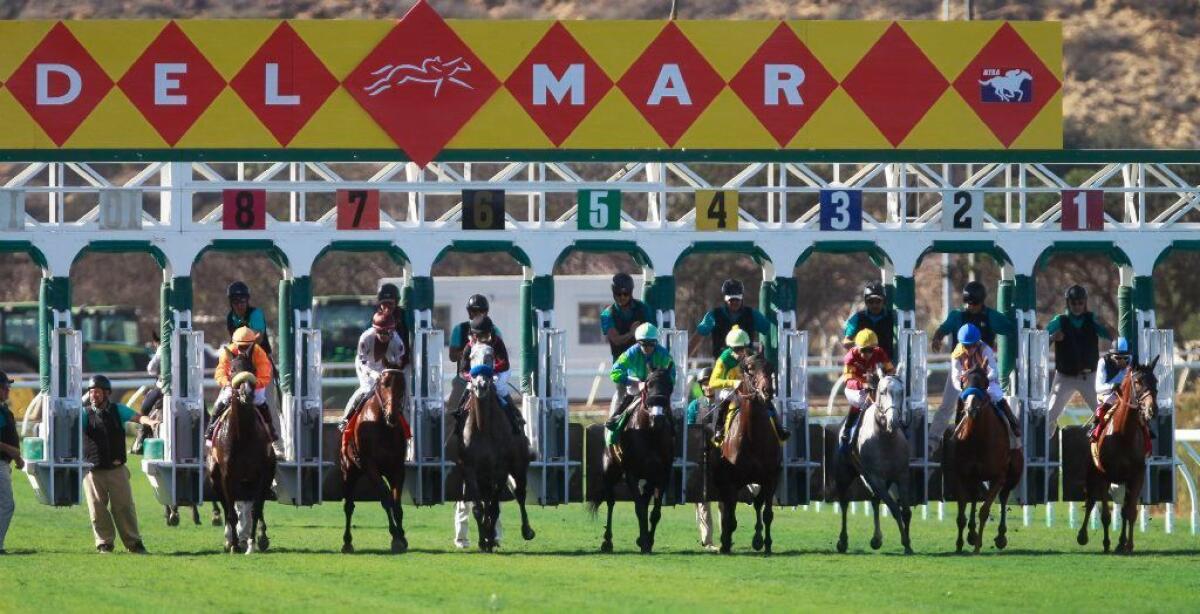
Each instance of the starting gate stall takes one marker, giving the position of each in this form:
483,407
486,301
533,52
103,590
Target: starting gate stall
54,459
548,423
299,475
428,466
687,475
174,463
1039,484
912,365
800,470
1160,466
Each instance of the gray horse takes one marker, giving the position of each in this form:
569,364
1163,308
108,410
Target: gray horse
879,454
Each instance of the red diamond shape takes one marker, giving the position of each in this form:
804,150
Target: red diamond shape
765,84
668,74
172,83
421,83
284,83
996,82
70,92
558,60
895,84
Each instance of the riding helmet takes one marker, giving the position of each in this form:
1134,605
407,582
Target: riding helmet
874,290
646,332
968,334
388,292
383,322
482,324
974,293
737,338
245,334
866,338
1120,347
238,289
732,288
477,302
705,375
1076,293
623,282
4,379
99,381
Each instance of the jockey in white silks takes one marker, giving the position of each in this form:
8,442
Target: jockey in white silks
380,347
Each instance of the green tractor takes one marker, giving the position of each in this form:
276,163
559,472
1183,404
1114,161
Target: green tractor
342,319
111,343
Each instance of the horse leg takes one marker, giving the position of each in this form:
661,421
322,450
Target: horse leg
768,495
641,505
260,520
843,489
520,481
385,500
172,515
1001,540
900,504
877,538
655,513
962,519
350,480
216,515
973,537
606,545
480,523
757,541
196,515
245,529
1129,511
728,509
1106,518
396,481
985,509
1089,502
608,477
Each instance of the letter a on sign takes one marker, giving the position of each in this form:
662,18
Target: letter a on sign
716,210
599,210
483,209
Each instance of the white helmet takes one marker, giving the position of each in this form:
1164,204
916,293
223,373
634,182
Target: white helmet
737,338
646,332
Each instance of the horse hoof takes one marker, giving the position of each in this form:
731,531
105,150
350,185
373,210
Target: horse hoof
241,547
347,548
757,543
399,546
606,547
1001,542
264,543
528,533
727,549
958,547
973,539
172,521
1082,538
841,546
229,546
876,543
908,549
216,522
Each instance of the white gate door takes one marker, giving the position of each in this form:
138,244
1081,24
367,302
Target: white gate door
1042,462
178,477
57,477
548,422
675,341
1160,467
912,365
299,476
427,463
792,404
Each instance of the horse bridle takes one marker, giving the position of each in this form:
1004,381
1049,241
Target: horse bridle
387,410
1145,398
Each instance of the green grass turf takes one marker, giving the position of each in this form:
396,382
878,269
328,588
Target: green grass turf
52,566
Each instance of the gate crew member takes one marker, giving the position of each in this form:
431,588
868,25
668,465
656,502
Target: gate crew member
1076,335
107,483
244,342
860,364
721,319
875,317
619,320
387,302
10,451
477,306
727,376
636,363
242,314
697,412
988,322
971,352
1110,373
379,348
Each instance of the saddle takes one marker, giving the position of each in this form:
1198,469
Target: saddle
223,421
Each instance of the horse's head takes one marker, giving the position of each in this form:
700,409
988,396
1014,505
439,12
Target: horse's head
758,380
1145,389
391,393
243,387
975,386
890,413
658,395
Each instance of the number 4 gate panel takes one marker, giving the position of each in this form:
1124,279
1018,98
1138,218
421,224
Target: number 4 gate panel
174,461
54,458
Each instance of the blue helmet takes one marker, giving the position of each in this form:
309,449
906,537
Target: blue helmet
968,334
1120,346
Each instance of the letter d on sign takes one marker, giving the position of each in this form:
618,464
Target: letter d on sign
74,85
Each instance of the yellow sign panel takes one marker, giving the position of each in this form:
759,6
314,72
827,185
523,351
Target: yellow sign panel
716,210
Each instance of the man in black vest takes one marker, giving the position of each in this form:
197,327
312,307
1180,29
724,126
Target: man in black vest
107,484
618,321
10,451
876,317
721,319
1076,335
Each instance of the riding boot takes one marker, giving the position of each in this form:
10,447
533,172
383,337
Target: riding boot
218,411
851,422
1096,423
719,427
780,429
1002,404
351,408
618,411
514,417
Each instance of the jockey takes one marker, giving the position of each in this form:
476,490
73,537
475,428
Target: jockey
245,341
483,333
477,306
877,317
727,376
380,347
861,362
972,352
1110,373
721,319
241,314
388,303
636,362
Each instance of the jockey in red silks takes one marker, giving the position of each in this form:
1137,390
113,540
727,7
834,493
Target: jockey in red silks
860,362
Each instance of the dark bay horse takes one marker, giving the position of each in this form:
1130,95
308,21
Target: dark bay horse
750,454
376,446
491,453
981,453
1122,455
242,466
643,455
879,455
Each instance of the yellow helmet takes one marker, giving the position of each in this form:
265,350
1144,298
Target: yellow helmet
737,338
866,338
245,335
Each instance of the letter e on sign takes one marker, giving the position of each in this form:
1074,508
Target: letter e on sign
599,210
358,209
1082,210
244,209
483,209
716,210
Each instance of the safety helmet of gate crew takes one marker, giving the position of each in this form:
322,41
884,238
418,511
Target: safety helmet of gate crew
646,332
1120,347
244,334
968,334
99,381
732,289
974,293
388,292
4,379
866,338
1076,293
238,289
737,338
477,302
873,290
622,282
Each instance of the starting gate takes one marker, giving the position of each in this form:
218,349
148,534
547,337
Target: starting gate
1039,484
1160,466
56,470
427,462
675,341
796,484
177,475
299,475
912,365
548,422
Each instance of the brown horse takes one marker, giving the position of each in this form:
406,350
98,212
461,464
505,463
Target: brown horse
376,446
643,455
1122,455
750,454
979,453
490,454
242,466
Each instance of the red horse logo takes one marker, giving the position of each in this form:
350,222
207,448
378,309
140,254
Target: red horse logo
432,70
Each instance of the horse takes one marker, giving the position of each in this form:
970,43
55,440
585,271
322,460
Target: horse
879,455
242,466
376,446
644,455
980,453
171,512
490,454
750,454
1121,455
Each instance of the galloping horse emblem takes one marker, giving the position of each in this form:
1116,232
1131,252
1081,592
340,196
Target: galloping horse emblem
432,70
1006,87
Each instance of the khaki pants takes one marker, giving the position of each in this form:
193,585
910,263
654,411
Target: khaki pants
109,488
462,524
704,519
1065,386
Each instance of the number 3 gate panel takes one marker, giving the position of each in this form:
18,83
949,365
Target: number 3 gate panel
801,471
174,462
428,467
912,366
555,476
1160,466
1039,484
300,474
54,459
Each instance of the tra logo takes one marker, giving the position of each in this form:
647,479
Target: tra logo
432,70
1006,85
